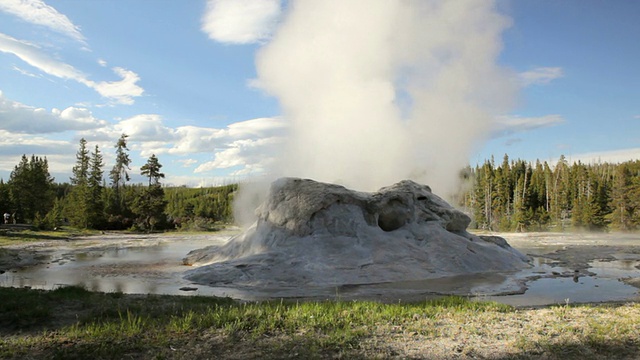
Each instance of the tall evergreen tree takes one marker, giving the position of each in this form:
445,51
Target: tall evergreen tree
118,203
625,197
150,203
5,199
96,204
80,171
78,208
119,175
31,188
152,170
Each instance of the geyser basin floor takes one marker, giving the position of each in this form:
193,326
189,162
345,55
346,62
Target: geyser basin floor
152,264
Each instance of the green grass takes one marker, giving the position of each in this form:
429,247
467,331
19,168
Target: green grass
12,237
72,323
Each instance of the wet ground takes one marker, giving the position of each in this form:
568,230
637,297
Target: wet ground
568,268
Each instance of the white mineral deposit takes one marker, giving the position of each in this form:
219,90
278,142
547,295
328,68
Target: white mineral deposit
317,235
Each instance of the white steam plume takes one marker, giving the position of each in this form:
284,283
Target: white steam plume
382,90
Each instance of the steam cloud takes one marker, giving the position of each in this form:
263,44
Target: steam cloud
384,90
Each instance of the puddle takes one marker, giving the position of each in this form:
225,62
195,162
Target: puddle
153,265
562,290
137,267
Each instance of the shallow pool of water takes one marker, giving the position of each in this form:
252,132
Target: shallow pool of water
154,266
137,267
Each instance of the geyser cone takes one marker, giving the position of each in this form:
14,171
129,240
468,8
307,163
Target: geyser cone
311,234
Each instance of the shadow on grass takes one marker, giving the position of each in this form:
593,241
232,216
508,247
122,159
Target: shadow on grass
588,349
73,323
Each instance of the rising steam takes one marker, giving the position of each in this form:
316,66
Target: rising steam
382,90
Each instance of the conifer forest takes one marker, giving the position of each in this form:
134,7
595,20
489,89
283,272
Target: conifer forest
514,195
524,196
91,200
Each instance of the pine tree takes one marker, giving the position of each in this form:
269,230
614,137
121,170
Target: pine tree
118,174
625,198
5,199
152,170
78,208
30,189
149,205
561,194
81,169
118,203
96,204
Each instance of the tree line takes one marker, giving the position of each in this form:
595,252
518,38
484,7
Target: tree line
88,201
525,196
512,196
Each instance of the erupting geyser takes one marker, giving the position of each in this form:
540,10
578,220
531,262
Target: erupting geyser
317,235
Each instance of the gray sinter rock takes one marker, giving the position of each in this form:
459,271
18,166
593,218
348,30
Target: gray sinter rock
312,234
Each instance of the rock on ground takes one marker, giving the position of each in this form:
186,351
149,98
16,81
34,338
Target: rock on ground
311,234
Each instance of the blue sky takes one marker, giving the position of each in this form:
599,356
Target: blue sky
179,77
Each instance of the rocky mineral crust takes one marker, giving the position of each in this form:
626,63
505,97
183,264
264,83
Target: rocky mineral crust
312,234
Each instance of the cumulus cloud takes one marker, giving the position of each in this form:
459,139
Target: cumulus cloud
255,154
13,146
20,118
18,144
516,124
122,91
193,139
39,13
188,162
540,76
611,156
247,145
145,127
240,21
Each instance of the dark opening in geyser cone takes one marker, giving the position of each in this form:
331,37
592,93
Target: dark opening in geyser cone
312,235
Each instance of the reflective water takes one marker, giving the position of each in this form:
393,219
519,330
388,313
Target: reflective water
140,267
155,266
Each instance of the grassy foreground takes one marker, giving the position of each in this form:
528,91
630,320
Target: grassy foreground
72,323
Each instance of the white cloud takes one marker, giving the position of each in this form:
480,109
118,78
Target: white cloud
32,55
188,162
540,76
25,72
204,181
248,153
611,156
239,149
515,124
19,118
146,128
122,91
637,117
39,13
192,139
248,145
240,21
18,144
57,152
